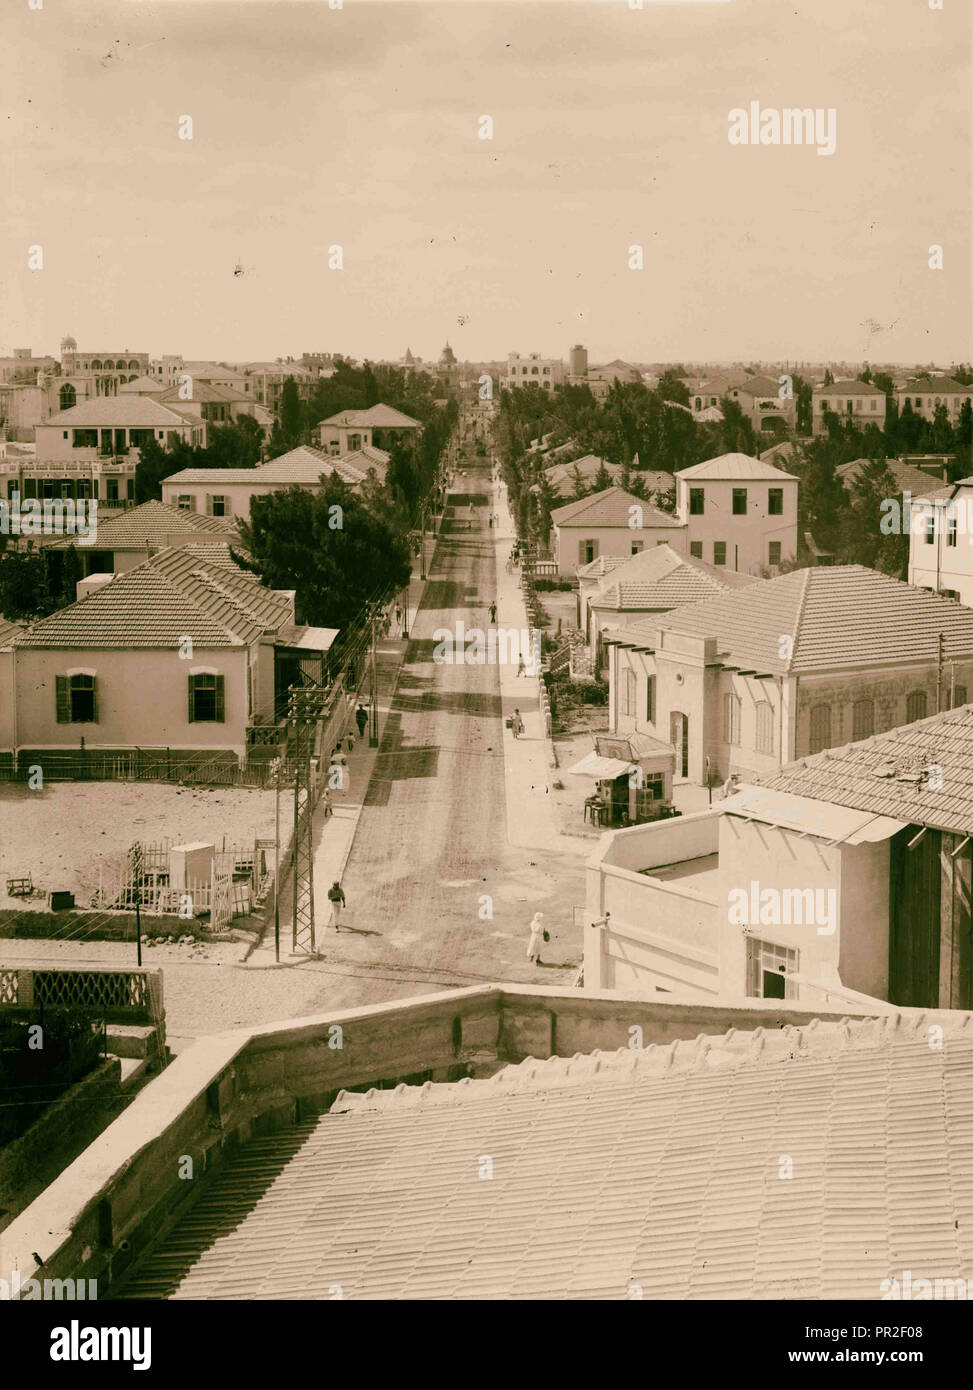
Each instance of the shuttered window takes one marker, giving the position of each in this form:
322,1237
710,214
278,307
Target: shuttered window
820,728
206,703
915,706
731,719
863,719
765,727
77,699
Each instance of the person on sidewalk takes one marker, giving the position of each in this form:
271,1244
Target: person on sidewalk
326,807
398,617
361,719
537,935
336,897
521,668
516,724
493,611
350,740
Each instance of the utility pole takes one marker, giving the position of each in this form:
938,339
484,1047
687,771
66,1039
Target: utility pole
277,777
302,727
373,728
422,543
940,664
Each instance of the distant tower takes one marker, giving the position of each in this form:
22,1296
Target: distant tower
578,361
448,358
408,359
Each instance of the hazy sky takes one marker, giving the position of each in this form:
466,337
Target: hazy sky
358,127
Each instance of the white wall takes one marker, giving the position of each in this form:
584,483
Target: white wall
747,537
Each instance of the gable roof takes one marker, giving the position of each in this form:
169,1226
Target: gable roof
179,592
610,507
757,386
736,466
934,386
602,565
661,579
302,467
638,1168
204,391
135,412
885,774
377,416
152,523
143,386
836,616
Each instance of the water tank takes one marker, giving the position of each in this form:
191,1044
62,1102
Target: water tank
578,360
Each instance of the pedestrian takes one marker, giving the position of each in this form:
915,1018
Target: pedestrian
516,724
336,898
350,737
326,804
361,719
493,612
731,785
398,617
537,935
521,668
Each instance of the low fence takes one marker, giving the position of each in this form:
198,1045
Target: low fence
187,768
119,996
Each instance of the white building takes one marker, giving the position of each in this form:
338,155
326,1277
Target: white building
533,370
925,394
941,540
740,512
858,401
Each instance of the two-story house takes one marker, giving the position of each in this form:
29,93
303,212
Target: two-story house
610,522
924,395
380,425
940,524
857,401
740,512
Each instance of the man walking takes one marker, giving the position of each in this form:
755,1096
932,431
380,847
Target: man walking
493,611
516,724
336,898
361,719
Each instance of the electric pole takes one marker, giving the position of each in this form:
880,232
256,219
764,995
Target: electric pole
373,734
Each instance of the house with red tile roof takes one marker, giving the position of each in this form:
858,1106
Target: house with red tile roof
379,425
184,653
610,522
752,678
740,512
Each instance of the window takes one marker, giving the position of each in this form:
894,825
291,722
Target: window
696,497
205,698
220,505
696,549
628,691
773,552
76,699
637,547
775,501
873,404
768,967
587,551
862,719
915,706
820,728
68,396
951,530
959,696
85,439
731,718
739,501
185,502
765,727
719,552
949,593
650,699
111,490
929,527
699,404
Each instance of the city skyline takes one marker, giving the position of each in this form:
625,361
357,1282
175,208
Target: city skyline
359,127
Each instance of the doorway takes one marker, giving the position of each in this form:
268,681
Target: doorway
679,738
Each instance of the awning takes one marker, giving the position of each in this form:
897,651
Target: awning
823,819
306,639
602,769
636,748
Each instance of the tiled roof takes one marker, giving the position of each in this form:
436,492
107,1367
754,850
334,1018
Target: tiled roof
837,616
935,386
151,524
203,391
8,631
866,775
735,466
142,386
758,386
907,477
303,465
378,416
120,412
849,388
177,593
610,507
604,564
660,579
645,1168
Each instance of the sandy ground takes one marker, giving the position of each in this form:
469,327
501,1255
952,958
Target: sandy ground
61,834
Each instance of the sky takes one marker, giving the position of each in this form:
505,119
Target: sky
359,127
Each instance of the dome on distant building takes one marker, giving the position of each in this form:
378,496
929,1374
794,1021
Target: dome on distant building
448,358
68,345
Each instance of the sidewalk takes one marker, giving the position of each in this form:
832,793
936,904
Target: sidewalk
529,760
334,835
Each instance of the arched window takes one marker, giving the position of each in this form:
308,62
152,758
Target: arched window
96,364
68,396
133,367
820,728
119,366
915,706
863,719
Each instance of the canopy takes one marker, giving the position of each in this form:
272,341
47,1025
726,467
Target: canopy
602,769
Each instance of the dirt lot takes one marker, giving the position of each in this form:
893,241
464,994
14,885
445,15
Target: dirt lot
61,834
